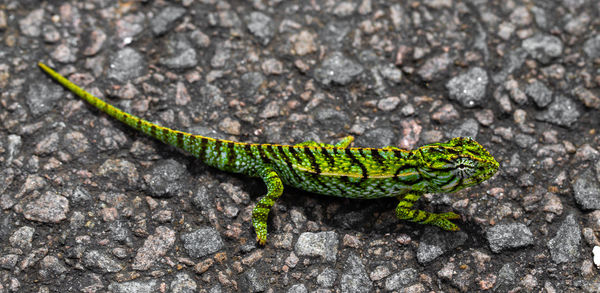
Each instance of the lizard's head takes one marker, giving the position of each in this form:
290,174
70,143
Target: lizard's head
456,164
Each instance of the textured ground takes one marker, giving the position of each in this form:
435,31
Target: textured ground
89,205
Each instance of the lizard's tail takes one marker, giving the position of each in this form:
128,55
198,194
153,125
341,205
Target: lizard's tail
213,152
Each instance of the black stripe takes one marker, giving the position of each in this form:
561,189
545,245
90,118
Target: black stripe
354,160
294,153
217,150
376,156
180,139
153,130
398,154
165,132
139,124
288,162
248,149
328,157
312,159
201,152
230,154
263,156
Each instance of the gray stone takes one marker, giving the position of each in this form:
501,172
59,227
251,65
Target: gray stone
165,179
251,81
591,47
506,278
22,238
505,236
297,288
469,88
97,260
378,137
155,246
255,282
134,287
587,191
323,244
52,267
180,53
401,279
327,277
512,62
261,26
126,64
565,246
563,111
202,242
31,25
543,47
42,96
337,68
354,278
183,283
166,19
435,242
434,67
469,128
541,95
48,208
331,117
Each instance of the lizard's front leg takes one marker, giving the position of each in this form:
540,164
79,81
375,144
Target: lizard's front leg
262,208
404,212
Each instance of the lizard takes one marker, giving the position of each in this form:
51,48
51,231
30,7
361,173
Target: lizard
335,170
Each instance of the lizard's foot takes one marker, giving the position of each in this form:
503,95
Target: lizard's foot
443,222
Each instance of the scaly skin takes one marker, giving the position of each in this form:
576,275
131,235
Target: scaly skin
337,170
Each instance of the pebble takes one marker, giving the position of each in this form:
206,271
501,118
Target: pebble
48,208
134,286
469,88
22,238
297,288
354,278
434,67
337,68
202,242
165,20
591,46
96,260
565,246
562,111
261,26
469,128
96,41
388,104
506,236
543,47
126,64
303,43
154,247
587,191
183,283
401,279
321,244
541,95
166,178
42,97
327,277
63,53
445,114
32,23
435,242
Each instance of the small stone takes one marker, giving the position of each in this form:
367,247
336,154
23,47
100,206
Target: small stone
272,66
564,247
445,114
202,242
126,64
42,96
469,88
337,68
543,47
401,279
251,82
32,23
64,54
391,73
95,259
51,267
588,98
322,244
119,171
587,191
183,283
327,278
578,26
180,53
485,117
562,112
303,43
270,111
3,22
388,104
469,128
75,143
521,16
379,273
541,95
166,19
516,94
434,67
166,178
596,252
230,126
200,39
505,236
96,40
22,238
48,208
134,286
255,281
435,242
354,278
297,288
261,26
591,47
155,246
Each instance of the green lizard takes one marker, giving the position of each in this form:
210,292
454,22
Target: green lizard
337,170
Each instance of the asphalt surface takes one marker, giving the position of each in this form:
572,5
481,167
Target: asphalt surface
89,205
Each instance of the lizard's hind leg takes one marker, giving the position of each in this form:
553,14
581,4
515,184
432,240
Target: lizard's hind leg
262,208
